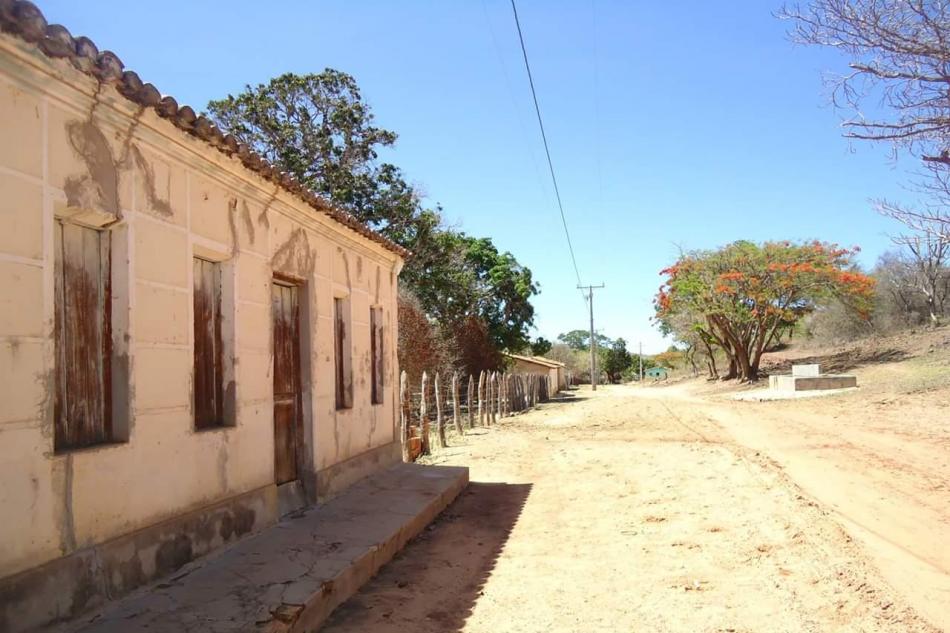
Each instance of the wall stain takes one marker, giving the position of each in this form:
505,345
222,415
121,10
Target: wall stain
172,554
163,207
359,268
263,219
246,217
67,527
99,188
346,268
223,454
125,156
378,282
295,256
232,225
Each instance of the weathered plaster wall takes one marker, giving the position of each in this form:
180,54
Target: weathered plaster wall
69,144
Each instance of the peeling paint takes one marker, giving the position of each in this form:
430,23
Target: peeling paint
99,188
232,225
163,207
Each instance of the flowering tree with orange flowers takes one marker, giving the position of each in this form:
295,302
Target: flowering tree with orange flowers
740,297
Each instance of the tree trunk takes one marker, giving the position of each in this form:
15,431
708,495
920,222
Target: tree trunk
439,418
424,414
405,415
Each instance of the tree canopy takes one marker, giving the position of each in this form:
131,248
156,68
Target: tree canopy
580,340
615,359
899,52
318,128
740,297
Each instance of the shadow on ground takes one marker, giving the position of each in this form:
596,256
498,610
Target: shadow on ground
435,582
567,398
840,361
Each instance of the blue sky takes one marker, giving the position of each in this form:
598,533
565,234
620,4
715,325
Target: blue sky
688,124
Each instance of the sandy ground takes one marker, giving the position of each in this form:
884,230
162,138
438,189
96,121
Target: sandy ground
639,510
878,458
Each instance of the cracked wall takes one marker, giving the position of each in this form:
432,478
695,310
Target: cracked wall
80,152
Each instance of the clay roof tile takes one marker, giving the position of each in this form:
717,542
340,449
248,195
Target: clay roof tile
26,21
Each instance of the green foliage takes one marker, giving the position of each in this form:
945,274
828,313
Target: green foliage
580,340
463,276
318,128
541,346
745,295
633,371
614,359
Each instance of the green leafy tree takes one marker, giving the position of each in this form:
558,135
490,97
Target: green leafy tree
580,340
464,276
615,359
318,128
541,346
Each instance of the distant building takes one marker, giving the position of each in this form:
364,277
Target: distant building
191,343
657,373
553,370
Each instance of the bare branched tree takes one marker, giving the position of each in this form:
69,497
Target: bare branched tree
900,52
899,63
928,261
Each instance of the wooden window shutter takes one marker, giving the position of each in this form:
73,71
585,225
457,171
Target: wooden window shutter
83,336
376,353
209,379
344,378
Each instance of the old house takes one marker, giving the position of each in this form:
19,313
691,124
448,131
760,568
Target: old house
537,365
191,343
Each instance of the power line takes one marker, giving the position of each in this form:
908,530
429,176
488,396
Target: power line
544,138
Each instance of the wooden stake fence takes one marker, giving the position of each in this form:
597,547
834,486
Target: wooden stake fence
495,395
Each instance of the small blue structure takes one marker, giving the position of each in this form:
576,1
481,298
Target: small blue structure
657,373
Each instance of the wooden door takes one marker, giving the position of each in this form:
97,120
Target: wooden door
288,429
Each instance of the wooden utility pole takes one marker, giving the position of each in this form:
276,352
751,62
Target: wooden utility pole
593,340
641,362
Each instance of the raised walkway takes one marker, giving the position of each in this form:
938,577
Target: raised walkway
291,576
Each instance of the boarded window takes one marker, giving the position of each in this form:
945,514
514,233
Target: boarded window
341,344
83,337
209,379
376,353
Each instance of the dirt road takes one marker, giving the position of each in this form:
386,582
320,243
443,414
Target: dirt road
878,458
619,512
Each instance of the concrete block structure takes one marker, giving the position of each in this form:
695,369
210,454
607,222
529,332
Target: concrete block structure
810,378
191,343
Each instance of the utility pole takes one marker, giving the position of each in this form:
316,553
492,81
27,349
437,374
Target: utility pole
593,340
640,356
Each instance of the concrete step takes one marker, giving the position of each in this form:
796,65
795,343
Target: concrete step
290,577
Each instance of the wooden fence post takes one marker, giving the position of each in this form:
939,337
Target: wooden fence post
481,399
501,396
456,406
424,414
471,401
519,386
405,415
493,389
439,419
